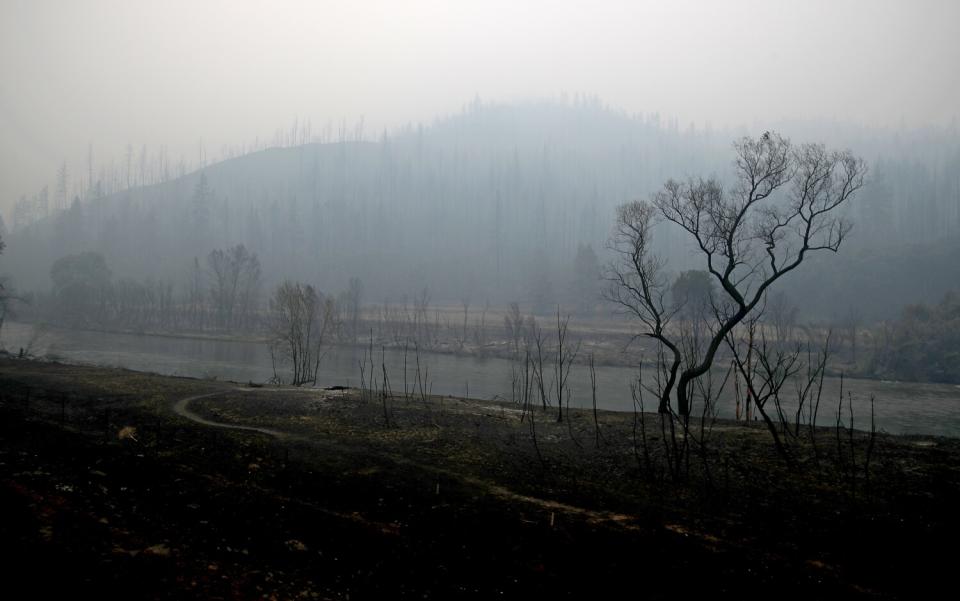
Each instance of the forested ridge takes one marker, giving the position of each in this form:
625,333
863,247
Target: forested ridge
491,204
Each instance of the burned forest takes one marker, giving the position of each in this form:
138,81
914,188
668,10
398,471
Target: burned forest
479,300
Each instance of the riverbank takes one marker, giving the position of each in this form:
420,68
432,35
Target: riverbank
110,491
933,409
611,343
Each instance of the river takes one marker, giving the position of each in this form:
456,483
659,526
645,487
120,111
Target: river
900,407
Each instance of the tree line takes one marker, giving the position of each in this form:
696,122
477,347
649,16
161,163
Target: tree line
492,204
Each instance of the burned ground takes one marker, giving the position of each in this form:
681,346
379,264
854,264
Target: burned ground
107,490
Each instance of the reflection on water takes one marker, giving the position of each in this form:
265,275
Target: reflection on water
900,407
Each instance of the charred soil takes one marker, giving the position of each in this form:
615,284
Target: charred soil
108,490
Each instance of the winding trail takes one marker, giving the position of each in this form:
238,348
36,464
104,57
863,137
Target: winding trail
620,520
180,408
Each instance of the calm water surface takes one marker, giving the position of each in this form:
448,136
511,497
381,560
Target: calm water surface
904,408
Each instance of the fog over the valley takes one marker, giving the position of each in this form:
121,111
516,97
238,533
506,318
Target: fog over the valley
185,78
494,299
475,149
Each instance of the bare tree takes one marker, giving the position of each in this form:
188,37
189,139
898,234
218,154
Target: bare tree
638,283
354,298
563,361
62,185
301,320
235,282
782,316
465,303
851,326
513,324
783,205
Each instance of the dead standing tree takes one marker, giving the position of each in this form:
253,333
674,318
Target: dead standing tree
782,206
234,284
301,319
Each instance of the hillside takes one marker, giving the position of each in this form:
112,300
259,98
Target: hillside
491,204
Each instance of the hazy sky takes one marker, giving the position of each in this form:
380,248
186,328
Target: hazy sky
113,72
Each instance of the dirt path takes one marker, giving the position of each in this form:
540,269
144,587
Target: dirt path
619,519
180,408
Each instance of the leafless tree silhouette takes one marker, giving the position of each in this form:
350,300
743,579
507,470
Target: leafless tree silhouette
782,205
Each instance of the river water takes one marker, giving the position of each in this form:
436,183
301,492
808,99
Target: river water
900,407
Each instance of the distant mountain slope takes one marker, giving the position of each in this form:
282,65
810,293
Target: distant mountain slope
491,204
470,205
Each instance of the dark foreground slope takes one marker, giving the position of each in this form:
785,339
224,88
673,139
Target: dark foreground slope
107,490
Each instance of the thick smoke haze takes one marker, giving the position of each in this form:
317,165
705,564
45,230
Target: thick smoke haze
192,78
309,299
